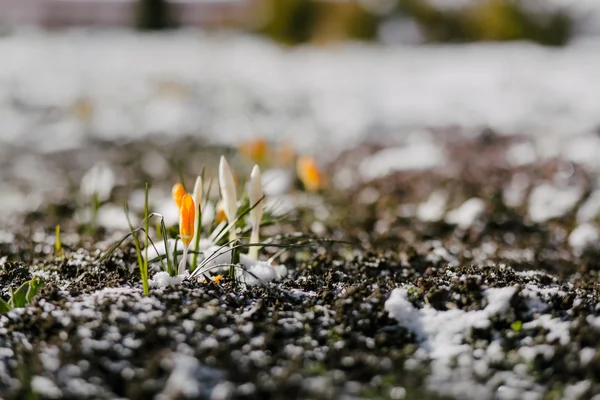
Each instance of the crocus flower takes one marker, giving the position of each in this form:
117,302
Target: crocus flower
285,155
228,193
256,150
198,192
220,217
178,192
198,220
309,173
256,194
187,215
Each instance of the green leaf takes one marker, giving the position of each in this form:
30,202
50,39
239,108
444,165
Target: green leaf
516,326
34,286
19,298
4,307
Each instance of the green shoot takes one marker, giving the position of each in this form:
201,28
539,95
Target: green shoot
235,258
136,242
198,230
146,235
95,208
57,243
197,240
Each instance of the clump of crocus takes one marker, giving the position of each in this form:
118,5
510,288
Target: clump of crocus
187,219
309,173
256,196
229,195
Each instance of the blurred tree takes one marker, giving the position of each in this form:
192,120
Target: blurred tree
490,20
154,15
302,21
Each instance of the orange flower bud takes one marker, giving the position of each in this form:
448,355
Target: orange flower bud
220,213
256,150
178,192
187,214
309,173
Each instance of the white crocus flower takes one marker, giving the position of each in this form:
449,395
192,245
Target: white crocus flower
227,185
197,195
256,194
99,181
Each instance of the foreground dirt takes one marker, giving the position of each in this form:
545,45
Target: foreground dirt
408,302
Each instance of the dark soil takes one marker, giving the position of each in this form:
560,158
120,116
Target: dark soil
325,331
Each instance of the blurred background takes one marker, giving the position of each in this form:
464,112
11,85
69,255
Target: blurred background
78,77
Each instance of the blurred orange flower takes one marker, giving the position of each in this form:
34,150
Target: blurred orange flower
309,173
256,150
177,193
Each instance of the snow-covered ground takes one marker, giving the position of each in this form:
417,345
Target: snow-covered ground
58,89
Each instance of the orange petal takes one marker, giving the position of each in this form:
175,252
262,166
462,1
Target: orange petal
178,192
309,173
217,279
187,214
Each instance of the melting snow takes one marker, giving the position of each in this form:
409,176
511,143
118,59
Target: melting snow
441,332
585,235
590,209
465,215
435,206
548,201
414,156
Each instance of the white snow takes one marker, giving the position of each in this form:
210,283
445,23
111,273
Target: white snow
548,201
441,332
455,365
520,154
584,235
182,382
514,194
218,258
414,156
45,387
590,209
583,149
163,279
277,181
465,215
435,206
346,92
576,391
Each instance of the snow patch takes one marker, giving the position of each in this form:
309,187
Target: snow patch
162,279
465,215
435,206
584,236
548,201
414,156
441,332
46,387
